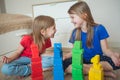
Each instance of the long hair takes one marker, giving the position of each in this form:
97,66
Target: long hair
41,23
83,11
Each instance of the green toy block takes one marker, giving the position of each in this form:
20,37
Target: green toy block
77,74
77,51
77,78
77,58
77,44
74,77
77,66
77,61
77,71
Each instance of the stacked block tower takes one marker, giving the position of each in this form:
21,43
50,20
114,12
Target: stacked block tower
58,65
36,65
77,61
96,71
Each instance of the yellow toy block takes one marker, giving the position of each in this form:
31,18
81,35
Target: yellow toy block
96,70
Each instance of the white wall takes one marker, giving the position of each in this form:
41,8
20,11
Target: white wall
24,6
107,12
104,11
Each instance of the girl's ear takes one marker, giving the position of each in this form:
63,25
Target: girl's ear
84,15
42,31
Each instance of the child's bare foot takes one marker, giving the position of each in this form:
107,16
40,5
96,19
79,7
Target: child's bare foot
106,66
20,77
69,69
110,74
47,69
86,68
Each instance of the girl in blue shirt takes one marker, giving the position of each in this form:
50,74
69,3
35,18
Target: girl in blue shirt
94,40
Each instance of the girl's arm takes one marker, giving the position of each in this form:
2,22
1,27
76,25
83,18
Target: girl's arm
48,52
113,55
68,55
14,56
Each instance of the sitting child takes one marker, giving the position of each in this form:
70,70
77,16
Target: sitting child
94,40
18,64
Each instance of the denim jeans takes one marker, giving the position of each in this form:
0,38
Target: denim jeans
47,62
18,67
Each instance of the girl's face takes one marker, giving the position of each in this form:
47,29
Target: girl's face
76,20
49,32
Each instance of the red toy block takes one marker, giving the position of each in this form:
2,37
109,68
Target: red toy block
37,75
36,69
36,63
37,59
35,51
38,78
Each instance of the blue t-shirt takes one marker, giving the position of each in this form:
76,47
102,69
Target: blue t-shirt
100,33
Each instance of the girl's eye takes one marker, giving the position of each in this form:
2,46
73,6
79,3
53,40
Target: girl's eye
72,17
53,27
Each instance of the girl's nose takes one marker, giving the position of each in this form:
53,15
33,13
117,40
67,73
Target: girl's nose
55,30
72,21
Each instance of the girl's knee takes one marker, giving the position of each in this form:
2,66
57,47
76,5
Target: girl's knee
47,61
9,69
5,69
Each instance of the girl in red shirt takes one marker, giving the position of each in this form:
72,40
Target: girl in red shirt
18,64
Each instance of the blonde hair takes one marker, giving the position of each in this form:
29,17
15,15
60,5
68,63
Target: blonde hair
82,10
41,23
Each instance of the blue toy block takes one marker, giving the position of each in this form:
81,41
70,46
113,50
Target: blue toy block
57,50
58,65
57,54
58,46
57,62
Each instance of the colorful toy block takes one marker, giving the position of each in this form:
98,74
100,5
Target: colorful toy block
77,61
58,65
96,71
36,65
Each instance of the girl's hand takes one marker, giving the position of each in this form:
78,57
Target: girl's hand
68,55
5,59
64,57
116,59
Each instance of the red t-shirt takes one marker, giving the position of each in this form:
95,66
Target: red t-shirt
26,42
